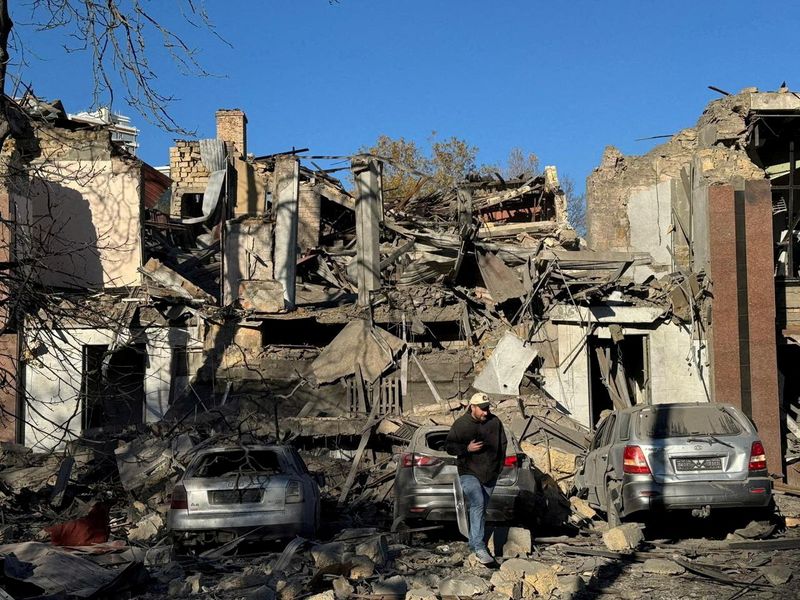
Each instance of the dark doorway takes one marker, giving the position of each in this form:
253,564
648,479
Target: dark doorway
775,146
113,386
788,359
618,373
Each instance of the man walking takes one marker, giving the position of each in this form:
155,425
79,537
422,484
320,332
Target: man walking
478,441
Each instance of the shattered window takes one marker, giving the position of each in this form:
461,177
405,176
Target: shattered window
238,462
436,441
681,421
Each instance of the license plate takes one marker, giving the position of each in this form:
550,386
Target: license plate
235,496
698,464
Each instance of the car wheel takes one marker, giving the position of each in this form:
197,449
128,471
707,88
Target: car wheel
309,530
400,529
768,513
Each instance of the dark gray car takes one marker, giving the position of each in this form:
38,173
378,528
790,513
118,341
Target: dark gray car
231,490
692,456
424,481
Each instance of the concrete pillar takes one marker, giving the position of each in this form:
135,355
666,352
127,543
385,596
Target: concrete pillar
368,216
285,208
726,381
9,355
742,338
764,397
9,375
552,185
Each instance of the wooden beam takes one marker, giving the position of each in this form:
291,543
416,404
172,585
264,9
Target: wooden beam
336,195
493,199
495,230
64,472
362,445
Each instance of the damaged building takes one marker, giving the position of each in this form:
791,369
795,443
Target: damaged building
85,355
243,274
264,280
718,204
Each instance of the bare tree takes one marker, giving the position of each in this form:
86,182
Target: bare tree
576,205
119,39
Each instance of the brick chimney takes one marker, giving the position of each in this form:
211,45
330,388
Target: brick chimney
232,128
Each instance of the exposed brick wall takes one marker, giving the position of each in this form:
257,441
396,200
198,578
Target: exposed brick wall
232,127
308,210
55,143
187,171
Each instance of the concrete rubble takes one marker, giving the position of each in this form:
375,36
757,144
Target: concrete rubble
357,555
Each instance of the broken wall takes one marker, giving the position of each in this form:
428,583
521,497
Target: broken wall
252,184
79,210
720,221
54,377
248,262
677,366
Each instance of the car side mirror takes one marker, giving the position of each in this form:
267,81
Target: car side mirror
319,478
579,462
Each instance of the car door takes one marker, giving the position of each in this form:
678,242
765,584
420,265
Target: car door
590,464
602,459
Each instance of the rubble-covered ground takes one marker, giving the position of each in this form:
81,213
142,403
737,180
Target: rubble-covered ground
115,508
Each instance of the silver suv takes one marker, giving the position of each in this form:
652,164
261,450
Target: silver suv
693,456
425,474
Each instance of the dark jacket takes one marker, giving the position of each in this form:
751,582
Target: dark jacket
487,462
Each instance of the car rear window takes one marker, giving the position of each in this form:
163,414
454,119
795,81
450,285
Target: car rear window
679,421
238,462
436,440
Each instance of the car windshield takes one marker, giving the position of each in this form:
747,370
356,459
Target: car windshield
238,462
680,421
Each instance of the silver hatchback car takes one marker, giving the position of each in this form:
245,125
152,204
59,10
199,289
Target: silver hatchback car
425,473
231,490
684,456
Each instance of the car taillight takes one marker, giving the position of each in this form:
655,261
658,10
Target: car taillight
179,498
294,492
510,461
409,459
758,458
634,462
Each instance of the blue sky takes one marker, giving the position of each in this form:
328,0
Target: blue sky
561,79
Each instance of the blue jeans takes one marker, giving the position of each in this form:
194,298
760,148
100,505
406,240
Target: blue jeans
477,495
